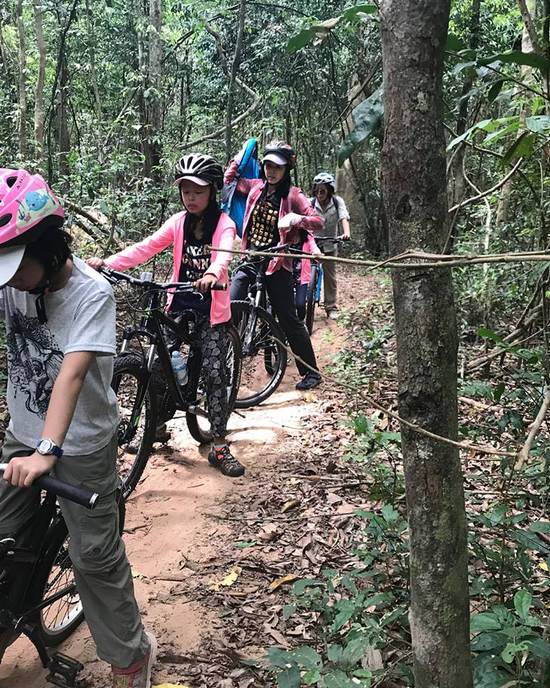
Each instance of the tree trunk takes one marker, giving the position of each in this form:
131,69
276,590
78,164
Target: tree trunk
93,71
413,181
527,8
39,114
152,100
233,75
63,136
462,119
22,80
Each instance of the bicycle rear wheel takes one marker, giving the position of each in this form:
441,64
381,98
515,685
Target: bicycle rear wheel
137,404
264,356
311,298
197,414
55,578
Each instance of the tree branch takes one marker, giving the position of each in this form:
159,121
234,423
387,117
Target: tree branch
494,188
535,427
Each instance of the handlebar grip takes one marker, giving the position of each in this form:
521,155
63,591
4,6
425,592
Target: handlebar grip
79,495
219,287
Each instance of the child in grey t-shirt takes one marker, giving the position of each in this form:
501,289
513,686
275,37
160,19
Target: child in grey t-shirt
60,333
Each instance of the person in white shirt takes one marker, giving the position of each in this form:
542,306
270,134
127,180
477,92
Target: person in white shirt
333,210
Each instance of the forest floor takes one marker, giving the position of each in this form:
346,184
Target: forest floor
214,558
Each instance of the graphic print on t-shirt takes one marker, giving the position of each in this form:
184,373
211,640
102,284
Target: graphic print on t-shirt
34,361
263,225
194,262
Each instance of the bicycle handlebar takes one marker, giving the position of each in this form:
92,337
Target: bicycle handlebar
116,276
329,240
78,495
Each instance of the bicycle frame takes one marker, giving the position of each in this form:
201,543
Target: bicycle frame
24,562
151,329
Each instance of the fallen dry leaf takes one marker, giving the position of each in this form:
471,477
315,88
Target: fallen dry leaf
289,578
291,504
228,580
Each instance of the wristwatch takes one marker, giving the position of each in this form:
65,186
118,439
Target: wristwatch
47,446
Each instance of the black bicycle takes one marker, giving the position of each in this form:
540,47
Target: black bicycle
38,596
264,355
144,381
313,297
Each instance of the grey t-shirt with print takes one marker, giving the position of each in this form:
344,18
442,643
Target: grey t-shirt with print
80,317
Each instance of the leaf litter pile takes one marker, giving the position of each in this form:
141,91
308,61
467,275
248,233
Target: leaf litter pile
319,546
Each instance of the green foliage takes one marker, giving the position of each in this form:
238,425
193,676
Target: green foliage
367,119
356,619
508,644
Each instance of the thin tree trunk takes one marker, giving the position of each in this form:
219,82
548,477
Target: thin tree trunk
63,136
527,46
233,75
22,80
39,113
152,98
462,119
93,73
413,180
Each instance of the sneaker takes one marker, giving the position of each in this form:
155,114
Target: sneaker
222,459
309,381
138,675
333,314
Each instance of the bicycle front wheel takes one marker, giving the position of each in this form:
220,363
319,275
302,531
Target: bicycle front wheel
311,298
264,356
137,405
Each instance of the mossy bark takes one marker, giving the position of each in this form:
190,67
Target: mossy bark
414,187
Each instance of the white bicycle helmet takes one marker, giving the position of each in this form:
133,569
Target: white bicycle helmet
325,178
200,169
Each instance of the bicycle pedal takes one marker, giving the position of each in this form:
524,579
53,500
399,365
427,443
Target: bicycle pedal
64,671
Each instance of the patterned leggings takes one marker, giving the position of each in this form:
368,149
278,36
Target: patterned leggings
214,343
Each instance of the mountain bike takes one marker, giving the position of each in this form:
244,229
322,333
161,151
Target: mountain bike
313,297
38,596
144,381
264,356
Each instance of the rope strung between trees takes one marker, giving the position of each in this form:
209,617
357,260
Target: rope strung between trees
391,414
429,260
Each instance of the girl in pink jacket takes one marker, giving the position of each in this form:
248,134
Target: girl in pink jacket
278,213
189,232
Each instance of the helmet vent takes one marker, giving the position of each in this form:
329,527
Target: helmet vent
10,181
5,219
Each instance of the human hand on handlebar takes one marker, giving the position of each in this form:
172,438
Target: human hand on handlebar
205,283
344,237
95,263
290,220
22,471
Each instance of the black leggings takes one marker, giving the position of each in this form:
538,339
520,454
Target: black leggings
280,289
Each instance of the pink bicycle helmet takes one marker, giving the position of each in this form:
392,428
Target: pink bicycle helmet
27,208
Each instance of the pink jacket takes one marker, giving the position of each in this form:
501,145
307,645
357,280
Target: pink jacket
171,233
296,202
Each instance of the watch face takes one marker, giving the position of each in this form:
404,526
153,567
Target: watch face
45,446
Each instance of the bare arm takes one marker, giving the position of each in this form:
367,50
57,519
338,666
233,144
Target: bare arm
344,224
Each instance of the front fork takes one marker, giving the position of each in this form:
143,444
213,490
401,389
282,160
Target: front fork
251,326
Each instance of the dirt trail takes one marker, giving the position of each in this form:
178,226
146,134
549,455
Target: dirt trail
170,531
